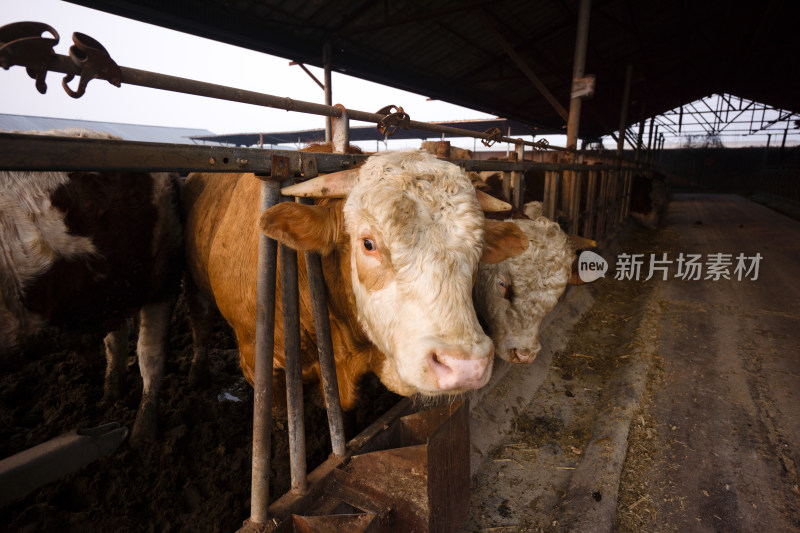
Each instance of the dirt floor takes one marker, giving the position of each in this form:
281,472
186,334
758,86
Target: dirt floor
713,438
196,480
522,484
716,446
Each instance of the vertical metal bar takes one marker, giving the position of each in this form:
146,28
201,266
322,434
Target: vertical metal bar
623,114
575,203
654,151
548,185
507,178
319,307
602,209
640,140
591,189
614,200
517,183
650,138
326,63
264,346
341,131
551,194
623,189
293,366
624,178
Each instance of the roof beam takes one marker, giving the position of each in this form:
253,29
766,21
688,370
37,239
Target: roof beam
414,18
534,79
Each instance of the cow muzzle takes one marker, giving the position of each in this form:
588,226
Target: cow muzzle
457,369
520,355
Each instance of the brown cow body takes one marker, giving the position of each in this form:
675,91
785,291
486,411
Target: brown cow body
378,279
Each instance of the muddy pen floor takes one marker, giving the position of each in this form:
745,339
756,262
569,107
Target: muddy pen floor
197,479
672,405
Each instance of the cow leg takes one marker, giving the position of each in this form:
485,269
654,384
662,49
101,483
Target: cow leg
151,348
116,344
202,315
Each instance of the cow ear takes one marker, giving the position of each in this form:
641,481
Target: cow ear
502,240
305,228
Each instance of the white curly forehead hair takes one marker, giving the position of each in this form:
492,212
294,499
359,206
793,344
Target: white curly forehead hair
410,196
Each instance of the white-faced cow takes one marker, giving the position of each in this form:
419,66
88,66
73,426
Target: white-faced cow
512,297
399,257
84,251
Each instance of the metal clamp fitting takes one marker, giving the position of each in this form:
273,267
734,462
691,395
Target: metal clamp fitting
22,43
389,124
94,61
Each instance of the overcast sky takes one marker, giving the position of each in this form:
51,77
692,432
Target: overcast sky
143,46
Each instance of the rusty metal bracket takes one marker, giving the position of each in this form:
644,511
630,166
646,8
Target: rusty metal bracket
494,135
94,61
392,121
23,43
541,145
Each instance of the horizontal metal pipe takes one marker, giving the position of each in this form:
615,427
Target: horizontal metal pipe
38,152
154,80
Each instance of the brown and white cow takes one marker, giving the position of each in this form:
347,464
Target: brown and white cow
514,296
399,257
84,251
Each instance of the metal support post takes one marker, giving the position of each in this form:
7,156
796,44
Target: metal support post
326,63
573,121
517,181
341,131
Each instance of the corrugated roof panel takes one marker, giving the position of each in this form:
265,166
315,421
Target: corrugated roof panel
129,132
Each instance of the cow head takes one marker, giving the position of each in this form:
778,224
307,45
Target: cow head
411,233
513,296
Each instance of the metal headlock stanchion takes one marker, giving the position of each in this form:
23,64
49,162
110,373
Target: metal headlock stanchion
430,433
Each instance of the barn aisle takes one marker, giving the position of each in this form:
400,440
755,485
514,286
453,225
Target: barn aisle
673,405
717,446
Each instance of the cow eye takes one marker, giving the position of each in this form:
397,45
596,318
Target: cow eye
501,284
369,245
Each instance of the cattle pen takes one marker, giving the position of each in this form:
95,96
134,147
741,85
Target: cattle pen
588,196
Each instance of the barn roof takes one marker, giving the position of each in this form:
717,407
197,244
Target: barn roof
129,132
462,51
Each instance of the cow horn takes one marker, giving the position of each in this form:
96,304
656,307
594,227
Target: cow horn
335,185
580,243
490,204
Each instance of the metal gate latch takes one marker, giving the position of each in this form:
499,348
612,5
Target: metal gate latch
494,135
389,124
22,43
94,61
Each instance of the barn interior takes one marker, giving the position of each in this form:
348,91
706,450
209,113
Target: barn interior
644,64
